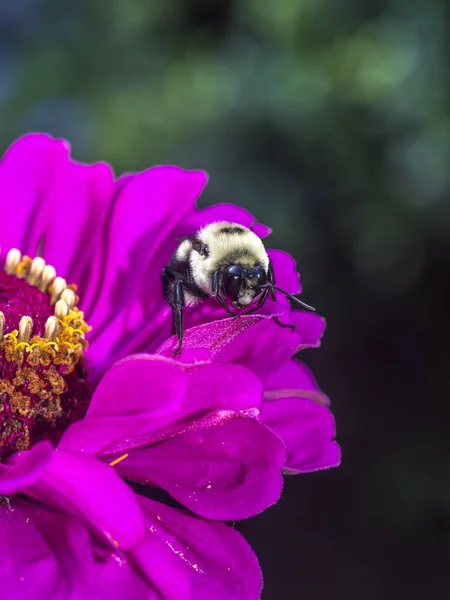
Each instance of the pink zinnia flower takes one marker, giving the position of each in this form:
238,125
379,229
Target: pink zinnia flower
192,426
70,527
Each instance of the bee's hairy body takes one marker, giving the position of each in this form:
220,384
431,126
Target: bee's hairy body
223,260
226,244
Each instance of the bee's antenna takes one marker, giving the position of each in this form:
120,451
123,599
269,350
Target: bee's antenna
290,296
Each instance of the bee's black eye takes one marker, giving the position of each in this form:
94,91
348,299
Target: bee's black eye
235,270
204,250
261,275
232,281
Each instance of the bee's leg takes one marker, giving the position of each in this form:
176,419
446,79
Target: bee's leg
289,325
266,292
177,309
215,293
271,279
261,302
264,296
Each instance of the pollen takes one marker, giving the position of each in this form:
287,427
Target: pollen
43,385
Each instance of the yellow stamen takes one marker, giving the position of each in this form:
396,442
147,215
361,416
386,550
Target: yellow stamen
118,460
41,364
64,340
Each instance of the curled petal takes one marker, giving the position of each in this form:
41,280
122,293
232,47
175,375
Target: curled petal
92,491
148,381
49,555
224,212
227,466
293,375
256,342
308,430
154,396
297,411
45,554
118,575
161,566
24,468
309,327
216,559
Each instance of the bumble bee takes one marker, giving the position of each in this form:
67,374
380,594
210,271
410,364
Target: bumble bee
223,260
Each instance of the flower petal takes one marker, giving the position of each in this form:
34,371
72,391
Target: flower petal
162,567
149,381
51,199
80,198
225,467
26,174
45,554
233,341
285,271
147,208
309,327
292,375
92,491
23,468
224,212
296,410
117,578
308,430
147,395
218,561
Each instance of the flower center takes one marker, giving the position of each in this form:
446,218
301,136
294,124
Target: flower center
43,380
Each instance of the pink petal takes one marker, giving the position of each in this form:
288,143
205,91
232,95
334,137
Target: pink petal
224,467
223,212
309,327
292,375
24,468
285,271
26,175
218,562
81,197
152,396
45,554
92,491
234,341
308,430
161,566
147,208
51,198
117,578
297,411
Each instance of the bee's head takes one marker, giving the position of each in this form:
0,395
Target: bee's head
235,254
241,284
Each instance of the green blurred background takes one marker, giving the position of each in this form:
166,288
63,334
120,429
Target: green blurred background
330,121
